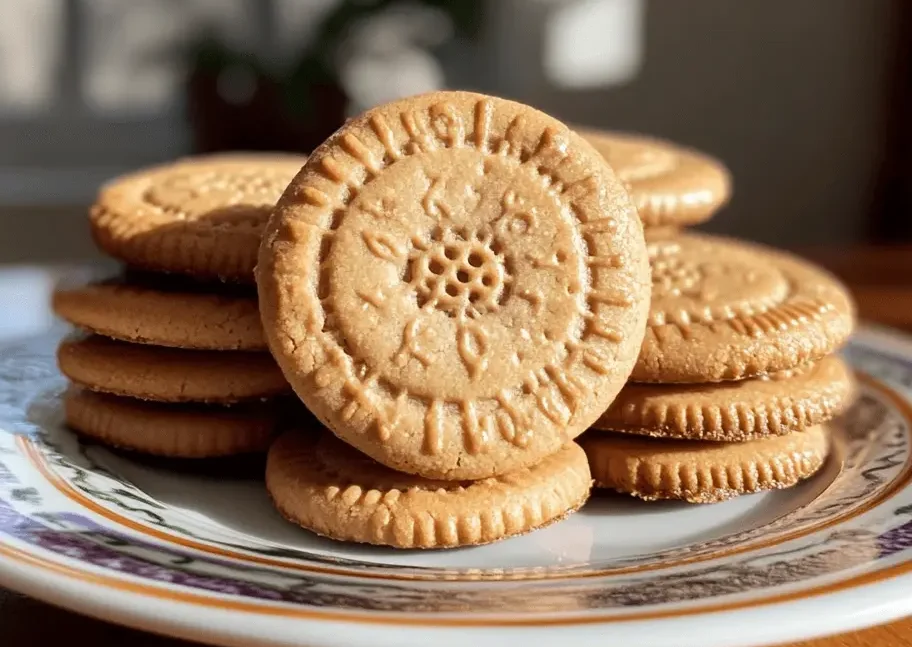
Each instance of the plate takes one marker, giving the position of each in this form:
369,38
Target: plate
198,552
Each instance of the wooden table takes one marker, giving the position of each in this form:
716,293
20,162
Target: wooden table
880,279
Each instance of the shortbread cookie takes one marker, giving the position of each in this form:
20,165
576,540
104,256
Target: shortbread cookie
169,374
455,284
703,472
329,488
790,400
178,316
200,216
659,234
727,310
671,185
175,430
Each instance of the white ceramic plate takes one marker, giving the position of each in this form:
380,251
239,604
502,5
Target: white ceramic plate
158,546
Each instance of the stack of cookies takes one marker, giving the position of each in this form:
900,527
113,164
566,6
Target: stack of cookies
457,286
736,377
171,359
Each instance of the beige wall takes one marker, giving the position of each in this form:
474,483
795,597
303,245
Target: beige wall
788,92
45,235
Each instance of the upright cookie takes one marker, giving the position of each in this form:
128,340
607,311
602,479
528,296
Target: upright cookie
169,374
201,216
670,185
332,490
176,315
175,430
703,472
455,284
787,401
727,310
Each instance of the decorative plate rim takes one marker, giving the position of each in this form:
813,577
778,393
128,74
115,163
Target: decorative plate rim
856,596
32,451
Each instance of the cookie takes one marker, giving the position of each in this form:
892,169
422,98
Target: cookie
329,488
790,400
176,316
169,374
659,234
671,185
200,216
703,472
455,284
173,430
728,310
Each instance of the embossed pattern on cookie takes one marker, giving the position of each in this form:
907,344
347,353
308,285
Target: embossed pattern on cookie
671,185
455,284
200,216
728,310
329,488
769,405
703,472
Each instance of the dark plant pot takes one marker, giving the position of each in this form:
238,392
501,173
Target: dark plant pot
264,121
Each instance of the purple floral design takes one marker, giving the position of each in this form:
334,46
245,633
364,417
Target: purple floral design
83,541
6,476
88,542
896,539
76,537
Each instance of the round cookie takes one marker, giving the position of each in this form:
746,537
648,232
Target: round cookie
703,472
455,284
671,185
329,488
787,401
168,374
727,310
174,430
199,216
181,317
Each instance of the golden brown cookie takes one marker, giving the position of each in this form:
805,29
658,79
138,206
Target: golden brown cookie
671,185
169,374
177,316
790,400
703,472
200,216
658,234
727,310
175,430
455,284
329,488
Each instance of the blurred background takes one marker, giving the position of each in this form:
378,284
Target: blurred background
807,102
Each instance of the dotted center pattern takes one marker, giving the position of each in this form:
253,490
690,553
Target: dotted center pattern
673,276
706,283
462,275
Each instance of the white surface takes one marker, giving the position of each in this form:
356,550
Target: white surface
30,44
25,295
594,43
